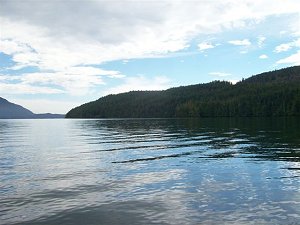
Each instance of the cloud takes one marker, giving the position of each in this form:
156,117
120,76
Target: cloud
55,35
11,47
244,51
244,42
140,83
219,74
287,46
21,88
263,56
293,59
125,61
57,38
260,41
73,80
205,45
283,48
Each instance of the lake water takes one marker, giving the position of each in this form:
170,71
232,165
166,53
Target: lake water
150,171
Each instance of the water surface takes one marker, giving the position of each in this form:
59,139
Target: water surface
150,171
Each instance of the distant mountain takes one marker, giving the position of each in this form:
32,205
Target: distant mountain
10,110
48,116
275,93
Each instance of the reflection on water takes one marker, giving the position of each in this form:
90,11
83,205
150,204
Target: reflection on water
153,171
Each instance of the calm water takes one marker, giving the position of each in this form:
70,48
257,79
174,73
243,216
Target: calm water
155,171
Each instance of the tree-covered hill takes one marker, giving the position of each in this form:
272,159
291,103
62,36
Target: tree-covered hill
275,93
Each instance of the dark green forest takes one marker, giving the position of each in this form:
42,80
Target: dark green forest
275,93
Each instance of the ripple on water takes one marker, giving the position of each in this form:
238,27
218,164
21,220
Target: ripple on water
149,171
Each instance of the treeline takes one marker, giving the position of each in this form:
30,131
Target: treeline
275,93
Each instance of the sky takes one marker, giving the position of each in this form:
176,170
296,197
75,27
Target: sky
58,54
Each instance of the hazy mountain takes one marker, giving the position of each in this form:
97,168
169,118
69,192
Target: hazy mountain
275,93
48,116
10,110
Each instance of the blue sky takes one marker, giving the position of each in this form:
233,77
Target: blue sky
55,55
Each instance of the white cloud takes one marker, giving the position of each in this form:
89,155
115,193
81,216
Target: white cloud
263,56
293,59
106,31
125,61
244,51
141,83
21,88
283,48
219,74
287,46
73,80
11,47
55,35
260,41
244,42
282,32
205,45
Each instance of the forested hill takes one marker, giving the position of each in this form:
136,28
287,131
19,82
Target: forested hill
275,93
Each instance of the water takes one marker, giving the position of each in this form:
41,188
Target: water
150,171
